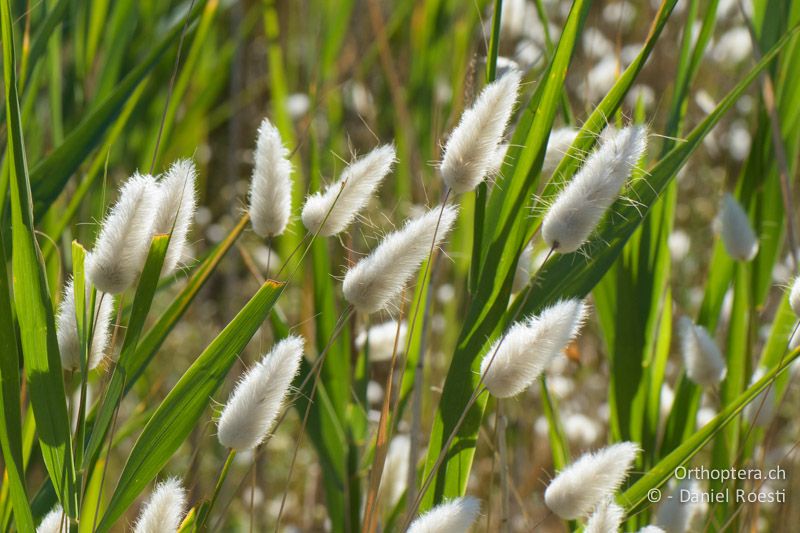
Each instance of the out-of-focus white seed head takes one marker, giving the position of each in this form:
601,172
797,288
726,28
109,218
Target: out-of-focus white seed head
341,201
523,273
761,409
515,360
69,344
452,516
255,403
54,521
579,207
794,296
380,340
271,184
164,510
177,202
557,145
737,234
395,471
593,477
684,510
606,518
377,279
470,152
121,248
704,362
651,529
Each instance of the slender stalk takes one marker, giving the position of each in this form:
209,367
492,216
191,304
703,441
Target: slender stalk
223,474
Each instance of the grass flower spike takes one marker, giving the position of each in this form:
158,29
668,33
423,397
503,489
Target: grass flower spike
593,477
470,152
737,234
121,248
378,279
705,364
177,203
606,518
271,185
517,359
449,517
794,296
69,344
164,510
53,522
579,207
256,401
340,202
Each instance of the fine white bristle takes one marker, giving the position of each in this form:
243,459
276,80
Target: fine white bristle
737,234
704,362
380,340
606,518
453,516
164,509
256,401
377,279
54,522
340,202
177,203
121,248
271,185
684,509
69,344
557,145
590,479
579,207
794,296
471,150
517,359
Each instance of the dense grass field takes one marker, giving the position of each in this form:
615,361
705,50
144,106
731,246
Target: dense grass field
407,265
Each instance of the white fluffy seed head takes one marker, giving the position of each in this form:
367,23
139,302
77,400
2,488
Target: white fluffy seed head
651,529
271,185
69,344
794,296
557,145
737,234
340,202
579,207
176,204
471,150
454,516
606,518
380,340
517,359
523,273
121,248
761,408
586,482
375,281
54,522
395,471
684,510
704,362
255,403
164,510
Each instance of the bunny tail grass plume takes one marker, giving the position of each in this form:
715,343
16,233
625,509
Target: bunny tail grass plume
794,296
471,151
395,471
378,279
522,275
515,360
594,476
579,207
256,401
271,186
380,340
341,201
53,522
737,234
121,248
453,516
704,362
69,344
557,145
684,510
177,203
164,510
606,518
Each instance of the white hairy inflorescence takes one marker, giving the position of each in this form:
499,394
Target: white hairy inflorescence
378,279
54,522
69,344
794,296
471,150
579,207
594,476
341,201
121,248
271,185
522,275
606,518
737,234
177,203
557,145
255,403
395,471
164,509
761,408
704,362
452,516
516,359
380,340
